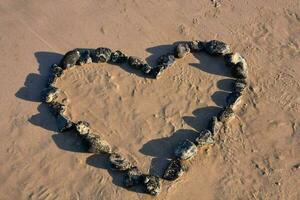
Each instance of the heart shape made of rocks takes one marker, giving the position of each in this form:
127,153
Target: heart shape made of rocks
186,149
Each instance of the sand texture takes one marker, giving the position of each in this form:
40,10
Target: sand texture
257,155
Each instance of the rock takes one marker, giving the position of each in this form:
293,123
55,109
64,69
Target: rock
95,144
101,55
63,123
234,99
205,138
157,71
153,184
70,59
50,94
185,150
233,58
174,170
132,177
226,115
239,85
118,57
239,70
146,69
196,46
85,58
166,60
216,48
83,127
136,62
56,70
119,162
181,50
215,125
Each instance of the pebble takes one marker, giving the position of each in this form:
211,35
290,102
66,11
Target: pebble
70,59
95,144
101,55
166,60
83,127
205,138
136,62
217,48
153,184
196,46
233,58
174,170
85,58
239,85
239,70
132,177
146,69
181,50
226,115
119,162
185,150
118,57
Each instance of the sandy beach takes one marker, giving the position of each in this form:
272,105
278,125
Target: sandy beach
257,156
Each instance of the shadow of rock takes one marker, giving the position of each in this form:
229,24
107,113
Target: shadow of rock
225,84
219,98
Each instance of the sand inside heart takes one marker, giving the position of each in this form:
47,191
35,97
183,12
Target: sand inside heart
139,115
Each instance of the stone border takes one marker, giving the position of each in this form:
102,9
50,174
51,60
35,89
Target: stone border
186,149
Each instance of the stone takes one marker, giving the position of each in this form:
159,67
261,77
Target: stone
185,150
70,59
226,115
56,70
101,55
118,57
217,48
132,177
146,69
83,127
205,138
85,58
234,99
196,46
215,125
174,170
119,162
166,60
50,94
239,85
233,58
63,123
157,71
239,70
136,62
181,50
153,184
95,144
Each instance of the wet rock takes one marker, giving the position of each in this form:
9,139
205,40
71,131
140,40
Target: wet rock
215,125
157,71
132,177
101,55
205,138
196,46
136,62
119,162
153,184
234,99
226,115
118,57
217,48
63,123
83,127
70,59
239,70
185,150
174,170
95,144
166,60
50,94
85,58
239,85
181,50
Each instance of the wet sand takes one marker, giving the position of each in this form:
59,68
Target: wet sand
254,156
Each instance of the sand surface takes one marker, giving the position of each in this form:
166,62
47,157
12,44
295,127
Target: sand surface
255,155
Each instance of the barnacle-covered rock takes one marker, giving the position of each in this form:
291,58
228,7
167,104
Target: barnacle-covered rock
85,58
101,55
118,57
215,125
157,71
50,94
136,62
132,177
239,70
226,115
83,127
119,162
70,59
217,48
185,150
174,170
166,60
153,184
181,50
239,85
63,123
234,99
205,138
196,46
95,144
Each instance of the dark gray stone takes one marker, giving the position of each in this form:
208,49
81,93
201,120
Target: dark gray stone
217,48
63,123
215,125
233,58
166,60
101,55
70,59
83,127
239,70
95,144
56,70
85,58
226,115
205,138
157,71
185,150
174,170
146,69
119,162
196,46
136,62
181,50
132,177
153,184
239,85
118,57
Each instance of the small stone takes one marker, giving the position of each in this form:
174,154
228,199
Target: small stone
63,123
85,58
185,150
196,46
174,170
132,177
83,127
157,71
215,125
56,70
217,48
232,59
166,60
205,138
234,99
136,62
181,50
239,70
101,55
226,115
118,57
70,59
119,162
146,69
153,184
95,144
239,85
50,94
